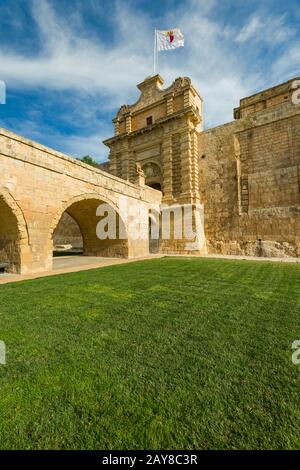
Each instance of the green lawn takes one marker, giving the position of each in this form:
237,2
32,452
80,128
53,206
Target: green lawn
167,353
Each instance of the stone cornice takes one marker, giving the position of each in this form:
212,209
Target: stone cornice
190,111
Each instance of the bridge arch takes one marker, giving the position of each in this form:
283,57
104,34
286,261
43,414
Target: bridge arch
14,239
82,209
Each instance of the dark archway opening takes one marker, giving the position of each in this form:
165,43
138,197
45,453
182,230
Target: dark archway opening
77,230
67,237
155,186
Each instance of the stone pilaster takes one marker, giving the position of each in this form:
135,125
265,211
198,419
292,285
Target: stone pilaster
117,126
186,164
128,123
169,99
131,166
195,166
187,101
113,168
167,167
127,161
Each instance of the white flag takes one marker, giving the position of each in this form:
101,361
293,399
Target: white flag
171,39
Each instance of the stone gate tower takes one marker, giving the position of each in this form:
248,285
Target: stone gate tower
159,135
159,132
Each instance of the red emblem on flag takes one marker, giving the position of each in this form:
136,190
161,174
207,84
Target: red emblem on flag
170,35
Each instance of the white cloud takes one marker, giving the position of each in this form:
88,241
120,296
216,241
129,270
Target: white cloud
268,29
104,76
288,64
69,60
72,145
250,30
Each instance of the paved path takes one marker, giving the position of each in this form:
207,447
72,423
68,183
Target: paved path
67,262
72,264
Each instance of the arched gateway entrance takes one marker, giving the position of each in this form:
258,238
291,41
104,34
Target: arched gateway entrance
83,211
153,175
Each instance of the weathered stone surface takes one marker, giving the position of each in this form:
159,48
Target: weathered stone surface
246,173
162,138
38,185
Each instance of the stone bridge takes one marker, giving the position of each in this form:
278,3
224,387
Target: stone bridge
38,185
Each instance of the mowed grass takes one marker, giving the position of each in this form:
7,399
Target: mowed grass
161,354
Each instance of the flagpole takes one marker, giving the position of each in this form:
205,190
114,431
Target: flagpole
154,53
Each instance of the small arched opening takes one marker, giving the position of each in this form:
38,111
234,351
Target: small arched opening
153,175
155,186
67,237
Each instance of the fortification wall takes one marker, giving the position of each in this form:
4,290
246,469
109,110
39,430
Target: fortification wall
249,179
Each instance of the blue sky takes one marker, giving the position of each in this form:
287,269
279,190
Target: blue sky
69,65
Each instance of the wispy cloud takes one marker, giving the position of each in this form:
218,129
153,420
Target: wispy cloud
73,145
91,75
69,60
288,64
272,30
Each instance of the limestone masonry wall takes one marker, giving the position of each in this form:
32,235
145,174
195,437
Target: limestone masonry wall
244,174
249,183
38,185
